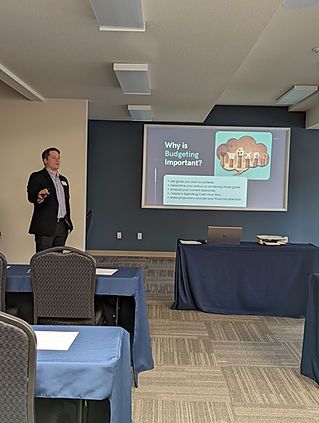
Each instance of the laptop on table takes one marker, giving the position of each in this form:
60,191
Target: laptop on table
224,235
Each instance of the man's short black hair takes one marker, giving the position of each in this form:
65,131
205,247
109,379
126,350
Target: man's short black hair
46,153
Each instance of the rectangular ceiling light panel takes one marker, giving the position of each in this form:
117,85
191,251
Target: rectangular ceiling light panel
139,112
119,15
133,78
296,94
18,85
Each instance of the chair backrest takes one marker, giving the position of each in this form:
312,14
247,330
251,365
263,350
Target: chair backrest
63,284
17,370
3,280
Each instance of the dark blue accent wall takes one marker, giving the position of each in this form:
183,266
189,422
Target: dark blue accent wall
115,179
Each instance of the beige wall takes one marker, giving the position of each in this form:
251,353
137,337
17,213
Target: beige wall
26,129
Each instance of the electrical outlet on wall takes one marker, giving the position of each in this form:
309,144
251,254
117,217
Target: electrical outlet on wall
119,235
139,235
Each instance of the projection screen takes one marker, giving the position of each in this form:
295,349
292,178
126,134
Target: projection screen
217,168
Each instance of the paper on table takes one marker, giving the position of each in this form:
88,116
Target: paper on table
106,271
54,340
189,242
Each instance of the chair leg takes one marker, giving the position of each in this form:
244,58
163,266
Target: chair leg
117,311
82,411
85,411
135,381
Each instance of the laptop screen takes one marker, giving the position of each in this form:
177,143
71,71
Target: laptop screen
224,235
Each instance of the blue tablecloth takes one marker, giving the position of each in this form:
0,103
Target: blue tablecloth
127,281
244,279
310,348
96,367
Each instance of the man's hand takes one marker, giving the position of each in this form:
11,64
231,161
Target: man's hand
43,194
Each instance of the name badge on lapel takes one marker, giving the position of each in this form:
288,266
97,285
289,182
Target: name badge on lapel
64,183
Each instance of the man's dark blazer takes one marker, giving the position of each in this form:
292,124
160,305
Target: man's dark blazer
44,217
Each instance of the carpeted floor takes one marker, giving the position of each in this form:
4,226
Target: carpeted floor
218,368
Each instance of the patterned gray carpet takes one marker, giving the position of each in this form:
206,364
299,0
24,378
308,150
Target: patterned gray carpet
218,368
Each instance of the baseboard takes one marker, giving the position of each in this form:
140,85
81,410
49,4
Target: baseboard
117,253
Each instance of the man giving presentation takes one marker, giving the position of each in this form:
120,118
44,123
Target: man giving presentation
49,193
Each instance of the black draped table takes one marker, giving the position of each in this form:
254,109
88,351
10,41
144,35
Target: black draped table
126,281
310,348
244,279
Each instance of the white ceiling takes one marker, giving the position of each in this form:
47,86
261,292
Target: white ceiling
200,53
